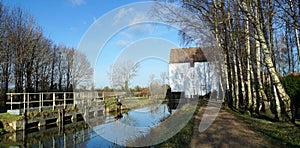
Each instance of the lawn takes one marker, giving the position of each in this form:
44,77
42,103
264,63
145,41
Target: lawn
283,132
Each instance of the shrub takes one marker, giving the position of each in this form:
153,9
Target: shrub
110,102
291,85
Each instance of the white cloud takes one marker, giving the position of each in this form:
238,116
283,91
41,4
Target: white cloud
126,35
77,2
122,15
142,29
139,17
123,43
131,17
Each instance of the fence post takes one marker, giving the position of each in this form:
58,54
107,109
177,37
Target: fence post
27,103
24,102
64,100
103,95
74,99
53,101
11,101
40,102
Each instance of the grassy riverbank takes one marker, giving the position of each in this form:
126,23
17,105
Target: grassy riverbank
5,119
182,120
183,137
129,103
283,132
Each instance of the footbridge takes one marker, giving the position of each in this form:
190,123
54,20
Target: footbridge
41,109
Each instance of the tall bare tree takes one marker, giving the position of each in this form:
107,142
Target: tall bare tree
82,72
121,73
31,62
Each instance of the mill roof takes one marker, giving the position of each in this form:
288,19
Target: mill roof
191,55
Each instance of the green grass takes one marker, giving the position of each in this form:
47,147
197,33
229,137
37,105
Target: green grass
281,132
129,103
142,98
182,138
132,103
110,102
1,131
168,128
6,117
46,113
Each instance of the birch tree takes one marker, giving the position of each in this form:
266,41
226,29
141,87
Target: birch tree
265,49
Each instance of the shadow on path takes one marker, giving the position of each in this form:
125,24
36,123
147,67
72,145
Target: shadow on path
227,131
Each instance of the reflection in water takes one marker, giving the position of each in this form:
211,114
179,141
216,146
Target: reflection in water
80,134
135,123
119,116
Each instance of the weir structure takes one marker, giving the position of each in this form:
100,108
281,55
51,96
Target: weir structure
44,108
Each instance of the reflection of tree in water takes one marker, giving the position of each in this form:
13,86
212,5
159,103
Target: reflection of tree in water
157,89
119,116
172,104
129,120
153,110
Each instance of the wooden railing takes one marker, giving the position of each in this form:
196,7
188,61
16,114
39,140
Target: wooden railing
28,102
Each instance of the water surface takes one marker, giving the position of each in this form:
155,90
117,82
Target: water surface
95,132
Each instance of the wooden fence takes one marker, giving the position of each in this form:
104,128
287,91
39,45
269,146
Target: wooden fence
28,102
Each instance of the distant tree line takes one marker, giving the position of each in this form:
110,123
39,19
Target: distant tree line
260,43
31,62
137,91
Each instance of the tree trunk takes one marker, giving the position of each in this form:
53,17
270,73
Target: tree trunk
227,58
236,81
261,93
253,90
277,104
242,82
295,27
248,74
234,74
268,59
269,63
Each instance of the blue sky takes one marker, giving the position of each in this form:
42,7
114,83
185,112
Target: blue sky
65,21
106,30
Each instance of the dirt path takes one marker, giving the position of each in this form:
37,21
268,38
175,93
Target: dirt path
227,131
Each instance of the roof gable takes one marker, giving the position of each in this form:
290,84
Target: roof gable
193,54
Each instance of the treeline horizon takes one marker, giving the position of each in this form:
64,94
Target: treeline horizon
32,62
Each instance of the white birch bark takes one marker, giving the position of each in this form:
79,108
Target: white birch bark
277,104
268,60
295,28
248,51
